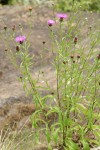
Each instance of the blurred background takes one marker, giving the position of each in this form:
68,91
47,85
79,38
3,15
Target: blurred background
63,5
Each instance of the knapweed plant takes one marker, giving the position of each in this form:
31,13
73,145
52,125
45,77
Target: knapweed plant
69,116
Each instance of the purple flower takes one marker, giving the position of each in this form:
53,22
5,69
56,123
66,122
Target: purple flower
62,16
51,22
20,39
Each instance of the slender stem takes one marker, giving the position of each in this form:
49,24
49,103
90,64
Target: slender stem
58,96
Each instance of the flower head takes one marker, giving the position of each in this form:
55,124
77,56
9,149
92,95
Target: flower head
51,22
20,39
62,16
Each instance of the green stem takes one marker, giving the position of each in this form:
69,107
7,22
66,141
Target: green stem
58,96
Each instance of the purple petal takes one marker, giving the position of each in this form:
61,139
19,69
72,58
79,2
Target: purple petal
51,22
20,38
23,38
62,15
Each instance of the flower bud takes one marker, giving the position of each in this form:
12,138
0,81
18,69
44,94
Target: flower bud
75,40
78,56
13,28
90,27
64,62
5,27
52,93
43,42
73,61
71,56
98,56
30,9
6,50
17,48
21,78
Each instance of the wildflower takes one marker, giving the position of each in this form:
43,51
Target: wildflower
51,22
61,16
20,39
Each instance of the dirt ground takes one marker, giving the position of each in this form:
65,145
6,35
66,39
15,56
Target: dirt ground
11,90
14,105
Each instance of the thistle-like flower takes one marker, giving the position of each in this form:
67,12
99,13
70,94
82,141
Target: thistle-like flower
20,39
61,16
51,22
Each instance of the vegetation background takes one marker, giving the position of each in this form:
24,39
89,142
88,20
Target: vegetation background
64,5
61,6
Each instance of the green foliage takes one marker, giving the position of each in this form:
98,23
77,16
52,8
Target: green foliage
74,113
25,2
13,2
86,5
65,5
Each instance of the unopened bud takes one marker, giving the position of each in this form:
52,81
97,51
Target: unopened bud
6,50
90,27
78,56
19,25
21,42
98,56
52,93
43,42
64,62
21,77
13,28
17,48
75,40
61,19
73,61
5,28
30,9
71,56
